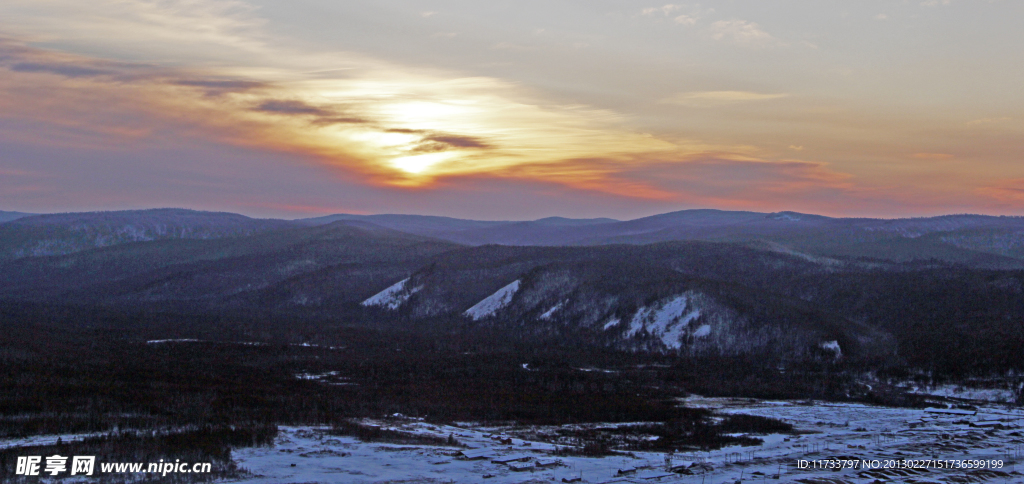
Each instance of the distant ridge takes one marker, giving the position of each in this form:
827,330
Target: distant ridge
979,240
9,216
65,233
974,240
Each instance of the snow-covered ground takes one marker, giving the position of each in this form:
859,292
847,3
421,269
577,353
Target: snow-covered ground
667,320
491,304
956,391
38,440
822,431
547,314
309,454
393,297
320,457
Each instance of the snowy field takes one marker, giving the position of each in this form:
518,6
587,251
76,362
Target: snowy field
824,431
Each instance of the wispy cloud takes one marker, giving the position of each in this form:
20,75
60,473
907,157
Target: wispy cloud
291,107
119,74
664,10
742,33
195,27
728,180
390,125
680,14
218,87
685,20
1008,192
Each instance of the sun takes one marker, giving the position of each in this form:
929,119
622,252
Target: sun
419,164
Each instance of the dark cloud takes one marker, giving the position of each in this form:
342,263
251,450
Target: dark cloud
216,87
298,108
445,142
433,141
19,58
66,70
459,141
292,107
429,147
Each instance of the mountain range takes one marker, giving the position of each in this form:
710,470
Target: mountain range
934,292
976,240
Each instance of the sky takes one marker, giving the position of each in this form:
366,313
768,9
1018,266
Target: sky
513,110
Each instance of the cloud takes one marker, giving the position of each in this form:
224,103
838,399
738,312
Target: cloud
709,178
219,87
1006,192
704,98
458,141
741,32
291,107
61,70
729,180
935,3
409,128
664,10
685,20
388,125
441,142
198,29
18,58
675,12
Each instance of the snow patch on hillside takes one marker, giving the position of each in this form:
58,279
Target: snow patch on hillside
667,320
491,304
702,331
392,297
832,346
611,323
547,314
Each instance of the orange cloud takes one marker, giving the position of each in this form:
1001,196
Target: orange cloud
411,130
1008,192
390,127
394,132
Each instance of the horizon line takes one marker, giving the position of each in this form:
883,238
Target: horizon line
958,214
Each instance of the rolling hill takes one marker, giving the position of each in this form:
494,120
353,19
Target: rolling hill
941,293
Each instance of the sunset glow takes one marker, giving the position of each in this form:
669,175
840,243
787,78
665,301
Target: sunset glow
596,109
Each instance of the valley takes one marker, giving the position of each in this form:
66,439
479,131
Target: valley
380,348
